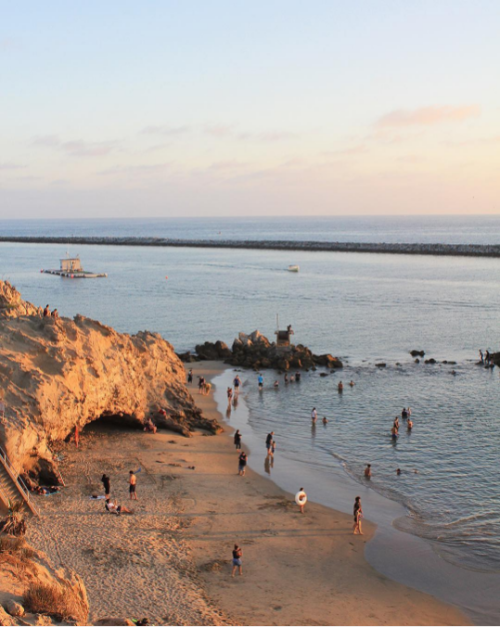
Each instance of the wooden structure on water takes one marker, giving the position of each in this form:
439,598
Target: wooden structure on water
71,268
283,337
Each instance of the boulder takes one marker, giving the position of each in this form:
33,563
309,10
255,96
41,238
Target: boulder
430,361
381,365
111,622
415,353
14,608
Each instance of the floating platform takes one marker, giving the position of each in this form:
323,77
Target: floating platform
79,274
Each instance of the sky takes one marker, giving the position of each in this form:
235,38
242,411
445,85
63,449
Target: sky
249,108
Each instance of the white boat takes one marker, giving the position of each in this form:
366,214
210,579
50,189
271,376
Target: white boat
293,268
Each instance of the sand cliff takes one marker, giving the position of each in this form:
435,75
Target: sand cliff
56,374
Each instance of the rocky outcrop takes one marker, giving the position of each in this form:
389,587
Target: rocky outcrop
256,351
416,353
58,374
12,305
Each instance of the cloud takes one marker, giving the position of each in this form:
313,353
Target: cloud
219,130
166,131
347,152
427,116
11,166
135,169
77,147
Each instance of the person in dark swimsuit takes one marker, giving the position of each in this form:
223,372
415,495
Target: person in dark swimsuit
242,463
237,440
106,482
190,375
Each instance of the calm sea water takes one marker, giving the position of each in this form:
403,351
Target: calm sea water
363,308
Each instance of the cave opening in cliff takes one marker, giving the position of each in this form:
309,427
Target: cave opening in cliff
109,421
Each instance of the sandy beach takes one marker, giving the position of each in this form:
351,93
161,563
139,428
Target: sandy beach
171,560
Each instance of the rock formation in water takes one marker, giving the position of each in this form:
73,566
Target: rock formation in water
256,351
58,374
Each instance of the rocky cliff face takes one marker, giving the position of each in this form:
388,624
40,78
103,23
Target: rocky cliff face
56,374
12,305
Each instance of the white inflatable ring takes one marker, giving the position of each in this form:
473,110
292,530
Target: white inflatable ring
301,498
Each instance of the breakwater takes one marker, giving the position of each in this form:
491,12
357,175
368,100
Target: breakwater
456,250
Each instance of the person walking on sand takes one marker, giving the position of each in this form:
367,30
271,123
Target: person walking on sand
269,442
106,482
368,471
301,499
242,463
190,375
358,513
132,483
237,440
314,414
237,555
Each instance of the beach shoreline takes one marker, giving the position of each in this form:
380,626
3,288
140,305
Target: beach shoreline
171,560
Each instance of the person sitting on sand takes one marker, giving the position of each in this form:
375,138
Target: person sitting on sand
340,387
55,314
358,513
242,464
114,508
150,426
237,555
325,420
368,471
410,424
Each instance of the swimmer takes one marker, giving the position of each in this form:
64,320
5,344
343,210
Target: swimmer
398,471
408,411
276,384
292,378
324,420
368,471
351,383
404,413
340,387
410,424
286,378
394,432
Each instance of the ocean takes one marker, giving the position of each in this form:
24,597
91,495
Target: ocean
365,309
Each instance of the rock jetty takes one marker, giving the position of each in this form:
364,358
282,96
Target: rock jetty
58,374
454,250
256,351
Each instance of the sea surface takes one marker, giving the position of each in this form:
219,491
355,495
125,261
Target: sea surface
365,309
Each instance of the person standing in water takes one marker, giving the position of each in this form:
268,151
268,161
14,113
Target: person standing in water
260,381
410,424
340,387
358,513
237,383
368,471
269,442
314,414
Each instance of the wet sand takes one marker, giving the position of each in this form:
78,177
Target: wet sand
171,560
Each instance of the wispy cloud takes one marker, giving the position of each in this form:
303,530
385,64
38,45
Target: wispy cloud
219,130
135,169
427,116
166,131
11,166
77,147
347,152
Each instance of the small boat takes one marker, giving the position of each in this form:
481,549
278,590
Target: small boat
71,268
293,268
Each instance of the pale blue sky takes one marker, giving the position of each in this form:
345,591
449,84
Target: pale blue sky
186,107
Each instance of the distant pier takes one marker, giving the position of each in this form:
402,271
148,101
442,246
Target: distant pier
445,250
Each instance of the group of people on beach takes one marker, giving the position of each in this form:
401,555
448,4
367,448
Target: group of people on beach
112,506
485,358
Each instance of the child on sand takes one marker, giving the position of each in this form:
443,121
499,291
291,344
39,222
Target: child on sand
301,499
